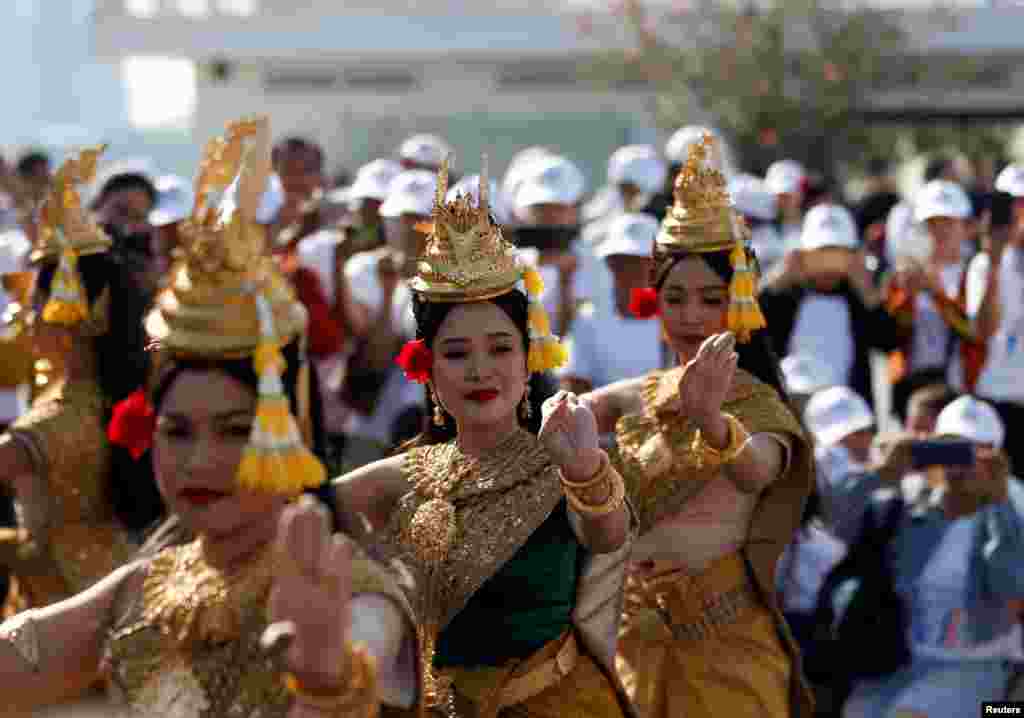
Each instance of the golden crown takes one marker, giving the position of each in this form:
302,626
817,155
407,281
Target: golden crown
63,224
465,257
208,306
701,218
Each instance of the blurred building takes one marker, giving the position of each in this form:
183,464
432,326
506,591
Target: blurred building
360,76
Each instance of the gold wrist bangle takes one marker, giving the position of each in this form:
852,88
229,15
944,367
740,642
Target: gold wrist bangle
703,453
616,497
358,699
598,476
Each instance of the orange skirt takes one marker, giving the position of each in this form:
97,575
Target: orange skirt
702,645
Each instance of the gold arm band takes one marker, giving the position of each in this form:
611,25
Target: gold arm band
702,453
358,699
22,633
599,475
616,496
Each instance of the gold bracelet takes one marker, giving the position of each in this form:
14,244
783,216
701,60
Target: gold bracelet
616,497
598,476
702,453
359,697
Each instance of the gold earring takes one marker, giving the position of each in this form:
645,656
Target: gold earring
525,409
438,411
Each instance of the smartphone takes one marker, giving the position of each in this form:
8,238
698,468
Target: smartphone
830,260
545,239
941,452
1001,205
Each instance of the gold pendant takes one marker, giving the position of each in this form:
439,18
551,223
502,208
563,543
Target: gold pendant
432,530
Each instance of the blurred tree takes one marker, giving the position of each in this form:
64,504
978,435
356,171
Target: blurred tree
782,78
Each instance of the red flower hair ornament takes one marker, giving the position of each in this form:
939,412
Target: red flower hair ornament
416,360
132,424
643,302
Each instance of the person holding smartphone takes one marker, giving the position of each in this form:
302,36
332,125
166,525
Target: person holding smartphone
823,301
955,559
995,303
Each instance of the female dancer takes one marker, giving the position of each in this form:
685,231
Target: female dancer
180,632
85,502
517,613
718,468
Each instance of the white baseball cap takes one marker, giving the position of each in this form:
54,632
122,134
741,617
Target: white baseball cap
271,201
941,198
551,180
1011,180
174,200
785,177
638,165
518,169
373,180
678,146
606,201
411,192
469,186
829,225
631,235
752,198
806,374
427,150
971,419
834,413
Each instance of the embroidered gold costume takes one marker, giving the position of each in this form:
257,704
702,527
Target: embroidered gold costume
701,632
490,541
73,538
188,643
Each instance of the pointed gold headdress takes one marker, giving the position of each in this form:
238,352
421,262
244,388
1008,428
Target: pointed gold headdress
64,230
702,220
467,259
226,299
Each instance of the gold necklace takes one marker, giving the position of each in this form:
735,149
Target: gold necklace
189,600
433,528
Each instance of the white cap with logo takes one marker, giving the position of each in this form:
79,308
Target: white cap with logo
785,177
835,413
174,200
373,180
1011,180
941,198
426,150
411,192
752,198
806,374
639,165
971,419
630,235
829,225
551,180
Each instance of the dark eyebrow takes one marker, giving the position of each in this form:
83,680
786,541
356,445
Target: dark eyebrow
706,288
225,416
492,335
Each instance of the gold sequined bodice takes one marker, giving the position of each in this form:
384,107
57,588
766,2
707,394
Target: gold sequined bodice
69,513
190,646
652,445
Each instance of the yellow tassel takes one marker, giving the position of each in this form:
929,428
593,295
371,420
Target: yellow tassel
539,322
535,360
64,313
268,358
546,353
533,281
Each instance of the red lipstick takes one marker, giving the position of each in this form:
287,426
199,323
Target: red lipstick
201,497
483,395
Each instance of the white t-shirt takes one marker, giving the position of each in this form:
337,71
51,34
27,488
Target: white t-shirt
606,348
802,574
823,329
1002,378
316,252
931,334
398,393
